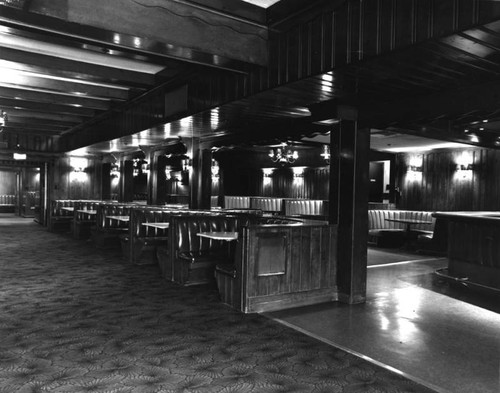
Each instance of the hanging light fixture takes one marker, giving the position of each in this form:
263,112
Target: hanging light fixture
326,153
283,154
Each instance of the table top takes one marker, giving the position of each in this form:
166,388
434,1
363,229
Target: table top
228,236
68,208
160,225
408,221
120,218
91,212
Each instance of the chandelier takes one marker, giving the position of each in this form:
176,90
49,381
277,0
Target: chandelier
283,154
3,119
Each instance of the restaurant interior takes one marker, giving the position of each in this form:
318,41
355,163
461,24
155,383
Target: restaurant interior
266,147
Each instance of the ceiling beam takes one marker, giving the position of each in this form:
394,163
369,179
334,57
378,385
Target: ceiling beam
170,30
44,64
54,97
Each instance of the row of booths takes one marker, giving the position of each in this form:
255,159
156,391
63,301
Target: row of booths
260,259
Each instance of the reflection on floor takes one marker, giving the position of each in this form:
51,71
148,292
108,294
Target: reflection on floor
444,337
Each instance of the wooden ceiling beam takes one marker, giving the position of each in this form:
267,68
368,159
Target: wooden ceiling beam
171,30
53,97
7,104
67,68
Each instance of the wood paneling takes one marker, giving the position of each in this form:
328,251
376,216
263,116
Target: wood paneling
7,182
309,259
440,187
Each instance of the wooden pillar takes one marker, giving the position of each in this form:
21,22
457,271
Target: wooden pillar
201,177
106,181
157,181
349,185
126,181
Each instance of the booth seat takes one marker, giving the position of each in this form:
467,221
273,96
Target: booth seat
107,231
189,259
7,203
60,219
236,202
384,233
309,208
83,222
140,243
267,204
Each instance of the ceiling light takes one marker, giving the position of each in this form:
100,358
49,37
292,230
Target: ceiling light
19,156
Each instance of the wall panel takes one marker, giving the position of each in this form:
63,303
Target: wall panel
7,182
441,187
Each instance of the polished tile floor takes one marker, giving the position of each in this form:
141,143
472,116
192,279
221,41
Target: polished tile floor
444,337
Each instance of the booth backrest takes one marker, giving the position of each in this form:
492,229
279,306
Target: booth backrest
111,209
56,207
85,205
305,207
272,205
184,236
377,219
236,202
7,199
141,215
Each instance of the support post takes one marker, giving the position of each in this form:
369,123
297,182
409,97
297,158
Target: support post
349,184
201,180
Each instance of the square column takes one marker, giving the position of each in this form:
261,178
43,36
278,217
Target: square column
349,185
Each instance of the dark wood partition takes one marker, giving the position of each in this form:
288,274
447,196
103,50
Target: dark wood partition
286,266
474,248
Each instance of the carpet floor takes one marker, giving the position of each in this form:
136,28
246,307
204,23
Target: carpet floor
77,319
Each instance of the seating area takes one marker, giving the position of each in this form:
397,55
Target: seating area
392,228
289,207
7,203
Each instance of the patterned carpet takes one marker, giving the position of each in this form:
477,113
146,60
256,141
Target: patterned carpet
75,319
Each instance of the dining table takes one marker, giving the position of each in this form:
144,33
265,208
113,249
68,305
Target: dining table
227,236
408,223
159,225
119,218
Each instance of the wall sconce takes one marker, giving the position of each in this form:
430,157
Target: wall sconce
465,165
465,161
186,164
268,172
115,171
215,169
415,168
326,153
3,119
415,164
298,171
141,166
78,164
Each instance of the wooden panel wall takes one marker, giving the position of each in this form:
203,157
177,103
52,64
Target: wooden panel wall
7,182
67,184
313,184
359,29
441,187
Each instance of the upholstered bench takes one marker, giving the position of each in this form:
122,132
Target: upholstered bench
61,215
267,205
308,208
236,202
189,258
383,232
7,203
